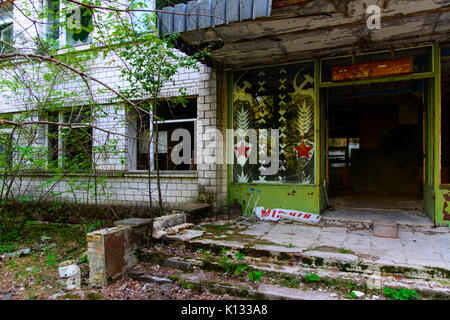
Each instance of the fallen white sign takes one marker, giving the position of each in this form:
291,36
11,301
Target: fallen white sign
277,214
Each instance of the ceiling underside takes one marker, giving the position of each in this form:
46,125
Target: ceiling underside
319,28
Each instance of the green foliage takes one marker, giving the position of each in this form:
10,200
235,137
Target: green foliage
237,266
351,295
400,294
254,276
51,260
93,226
7,247
174,277
311,277
185,284
289,281
83,259
239,256
231,266
149,63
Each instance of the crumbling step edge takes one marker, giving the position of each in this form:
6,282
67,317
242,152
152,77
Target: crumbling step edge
297,268
262,292
338,261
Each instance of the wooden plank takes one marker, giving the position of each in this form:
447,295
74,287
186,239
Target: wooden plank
280,3
370,70
320,14
343,39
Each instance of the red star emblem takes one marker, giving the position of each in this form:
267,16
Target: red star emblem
303,150
242,150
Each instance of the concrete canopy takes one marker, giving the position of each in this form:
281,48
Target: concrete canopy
309,28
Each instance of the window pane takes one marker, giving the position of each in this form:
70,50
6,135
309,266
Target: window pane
52,26
52,136
79,25
170,110
77,141
6,34
171,114
143,144
281,98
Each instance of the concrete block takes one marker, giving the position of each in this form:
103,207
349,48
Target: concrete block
111,251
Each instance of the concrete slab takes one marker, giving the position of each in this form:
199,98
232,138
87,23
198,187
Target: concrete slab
385,229
275,292
419,248
133,222
186,235
372,215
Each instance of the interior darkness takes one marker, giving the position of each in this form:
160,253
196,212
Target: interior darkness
173,110
375,139
445,119
168,111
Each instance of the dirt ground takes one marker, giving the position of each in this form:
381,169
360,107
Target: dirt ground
34,275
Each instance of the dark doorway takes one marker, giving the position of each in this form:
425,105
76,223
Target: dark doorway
375,146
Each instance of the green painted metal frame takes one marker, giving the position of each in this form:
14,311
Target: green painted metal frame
306,197
316,194
439,189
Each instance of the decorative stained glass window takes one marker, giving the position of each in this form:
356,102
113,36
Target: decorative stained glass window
282,98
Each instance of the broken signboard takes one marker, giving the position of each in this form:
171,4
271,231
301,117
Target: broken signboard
277,214
371,70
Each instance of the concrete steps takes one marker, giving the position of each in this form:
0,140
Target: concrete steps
334,270
242,290
207,281
332,263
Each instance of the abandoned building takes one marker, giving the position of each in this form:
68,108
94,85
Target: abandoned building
362,112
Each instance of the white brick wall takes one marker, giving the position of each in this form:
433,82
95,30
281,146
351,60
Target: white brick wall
211,176
129,190
132,189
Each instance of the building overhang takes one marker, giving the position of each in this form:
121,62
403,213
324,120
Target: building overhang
256,32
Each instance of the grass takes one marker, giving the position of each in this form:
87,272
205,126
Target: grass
50,244
400,294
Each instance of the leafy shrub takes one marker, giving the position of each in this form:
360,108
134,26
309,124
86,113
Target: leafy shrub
400,294
311,277
254,276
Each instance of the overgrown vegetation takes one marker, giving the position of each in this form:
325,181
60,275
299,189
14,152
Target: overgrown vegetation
400,294
49,244
53,145
231,263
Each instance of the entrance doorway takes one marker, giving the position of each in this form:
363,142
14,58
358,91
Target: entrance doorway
375,150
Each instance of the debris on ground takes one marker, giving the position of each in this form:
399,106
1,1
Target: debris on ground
45,238
358,294
18,253
46,247
69,270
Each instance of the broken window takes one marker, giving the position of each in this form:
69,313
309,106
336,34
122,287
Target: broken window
70,147
79,25
52,140
6,28
282,98
172,116
52,23
445,115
